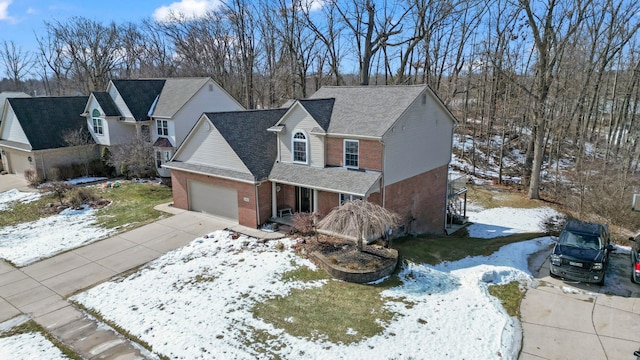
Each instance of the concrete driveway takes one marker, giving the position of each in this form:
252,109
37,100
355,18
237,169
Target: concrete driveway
564,320
13,181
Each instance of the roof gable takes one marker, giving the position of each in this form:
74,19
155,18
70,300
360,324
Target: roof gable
246,133
176,92
106,103
45,120
139,95
367,110
320,110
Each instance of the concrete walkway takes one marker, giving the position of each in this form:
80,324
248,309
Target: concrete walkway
14,181
40,290
573,321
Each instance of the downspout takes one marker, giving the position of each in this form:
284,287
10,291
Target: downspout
383,189
257,204
44,173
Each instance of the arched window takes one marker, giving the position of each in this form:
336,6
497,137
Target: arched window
97,122
300,147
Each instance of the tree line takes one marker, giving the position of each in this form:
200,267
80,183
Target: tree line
552,80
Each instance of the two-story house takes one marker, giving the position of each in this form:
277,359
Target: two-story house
390,145
164,109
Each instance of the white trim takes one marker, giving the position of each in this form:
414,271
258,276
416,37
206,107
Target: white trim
344,153
306,146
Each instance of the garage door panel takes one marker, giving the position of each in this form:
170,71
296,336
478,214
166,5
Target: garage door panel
214,200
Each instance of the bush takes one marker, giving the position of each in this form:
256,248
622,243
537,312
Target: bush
33,178
54,174
303,223
81,196
58,188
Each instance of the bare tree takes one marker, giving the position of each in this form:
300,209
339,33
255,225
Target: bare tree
82,143
135,158
17,63
360,220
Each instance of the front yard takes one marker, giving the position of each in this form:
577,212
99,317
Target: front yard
230,296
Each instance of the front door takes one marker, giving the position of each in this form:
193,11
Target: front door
304,199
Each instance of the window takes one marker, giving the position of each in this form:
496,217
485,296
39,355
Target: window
97,122
348,197
163,127
167,156
299,147
158,159
351,153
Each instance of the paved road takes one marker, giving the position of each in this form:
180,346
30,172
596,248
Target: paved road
39,291
562,320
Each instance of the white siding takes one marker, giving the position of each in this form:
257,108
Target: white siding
11,128
208,147
204,100
117,132
299,119
419,141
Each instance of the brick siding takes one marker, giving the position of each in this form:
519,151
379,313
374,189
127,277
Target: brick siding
369,153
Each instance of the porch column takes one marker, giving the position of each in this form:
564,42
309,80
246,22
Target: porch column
315,200
274,200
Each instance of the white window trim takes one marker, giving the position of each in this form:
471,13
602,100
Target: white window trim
344,153
347,197
164,125
158,158
94,123
306,147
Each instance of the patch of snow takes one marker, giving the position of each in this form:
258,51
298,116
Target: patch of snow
200,297
13,195
27,242
84,180
503,221
29,346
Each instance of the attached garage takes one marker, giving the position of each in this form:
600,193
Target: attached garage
214,200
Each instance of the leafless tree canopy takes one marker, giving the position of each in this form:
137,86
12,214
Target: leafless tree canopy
534,84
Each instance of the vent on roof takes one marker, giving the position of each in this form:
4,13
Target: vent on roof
207,127
424,98
210,87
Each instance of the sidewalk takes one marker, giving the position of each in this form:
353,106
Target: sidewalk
40,289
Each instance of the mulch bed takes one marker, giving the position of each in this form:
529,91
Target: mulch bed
345,253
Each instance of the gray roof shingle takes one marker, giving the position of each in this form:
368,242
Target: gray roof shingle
45,120
106,103
367,110
175,93
139,95
246,133
334,179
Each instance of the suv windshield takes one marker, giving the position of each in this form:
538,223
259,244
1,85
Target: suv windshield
580,240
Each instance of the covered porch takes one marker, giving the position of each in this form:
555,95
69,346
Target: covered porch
298,188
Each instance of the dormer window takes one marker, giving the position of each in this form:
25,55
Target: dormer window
97,122
300,147
162,127
351,153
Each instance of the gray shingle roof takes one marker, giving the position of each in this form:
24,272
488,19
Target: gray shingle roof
367,110
320,110
45,120
106,103
246,133
209,170
334,179
139,95
175,93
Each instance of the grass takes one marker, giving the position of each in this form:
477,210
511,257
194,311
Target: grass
132,204
510,295
490,198
337,311
433,249
33,327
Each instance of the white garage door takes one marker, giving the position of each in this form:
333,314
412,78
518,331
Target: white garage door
214,200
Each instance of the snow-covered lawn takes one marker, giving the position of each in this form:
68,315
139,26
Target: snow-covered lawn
12,196
26,346
194,303
27,242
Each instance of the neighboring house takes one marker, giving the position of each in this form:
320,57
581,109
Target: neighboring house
3,97
165,109
32,133
390,145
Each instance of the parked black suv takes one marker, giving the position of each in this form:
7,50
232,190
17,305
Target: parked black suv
635,260
581,252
